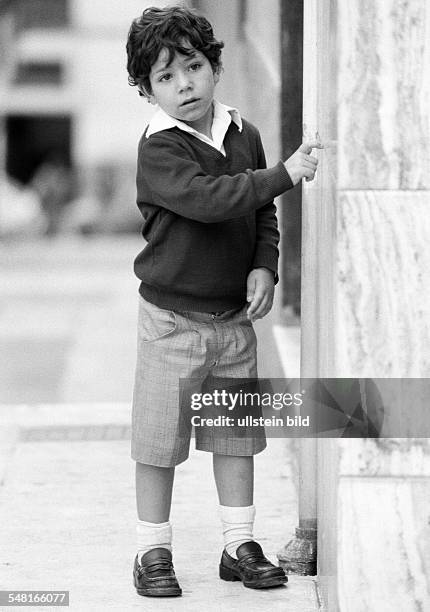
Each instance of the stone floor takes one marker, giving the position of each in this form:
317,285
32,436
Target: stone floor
67,508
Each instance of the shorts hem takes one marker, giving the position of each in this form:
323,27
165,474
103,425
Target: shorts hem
159,462
234,452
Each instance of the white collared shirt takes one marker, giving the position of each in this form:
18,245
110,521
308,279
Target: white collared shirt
223,116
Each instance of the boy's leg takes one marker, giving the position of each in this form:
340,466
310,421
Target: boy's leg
242,558
154,492
234,478
168,349
153,498
233,461
234,356
153,571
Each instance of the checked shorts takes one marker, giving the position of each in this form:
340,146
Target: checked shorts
173,345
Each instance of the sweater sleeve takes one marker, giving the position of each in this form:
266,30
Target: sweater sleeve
266,250
174,181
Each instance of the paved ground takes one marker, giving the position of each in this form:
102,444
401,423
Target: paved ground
67,509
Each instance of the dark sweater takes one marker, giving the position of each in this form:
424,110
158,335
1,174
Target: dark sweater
208,219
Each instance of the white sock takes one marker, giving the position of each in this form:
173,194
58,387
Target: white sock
153,535
237,526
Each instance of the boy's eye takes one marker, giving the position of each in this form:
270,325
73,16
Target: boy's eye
195,66
165,77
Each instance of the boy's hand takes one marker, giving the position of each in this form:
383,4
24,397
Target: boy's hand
301,164
260,286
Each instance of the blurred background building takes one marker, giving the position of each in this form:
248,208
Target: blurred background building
69,121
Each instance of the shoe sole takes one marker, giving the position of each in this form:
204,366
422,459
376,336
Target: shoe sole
160,592
231,576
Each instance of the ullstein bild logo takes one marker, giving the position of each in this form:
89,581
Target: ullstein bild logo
249,421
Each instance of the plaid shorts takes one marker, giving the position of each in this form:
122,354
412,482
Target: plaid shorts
173,345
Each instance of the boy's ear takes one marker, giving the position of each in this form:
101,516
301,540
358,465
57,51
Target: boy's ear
146,94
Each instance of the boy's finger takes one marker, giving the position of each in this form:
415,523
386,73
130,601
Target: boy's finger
263,309
262,303
306,147
311,158
250,289
307,164
309,172
253,307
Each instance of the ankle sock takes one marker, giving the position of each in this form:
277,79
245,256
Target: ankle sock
153,535
237,526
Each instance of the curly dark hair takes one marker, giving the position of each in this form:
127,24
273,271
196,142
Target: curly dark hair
167,28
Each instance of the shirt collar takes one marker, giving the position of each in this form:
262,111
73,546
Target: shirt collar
162,121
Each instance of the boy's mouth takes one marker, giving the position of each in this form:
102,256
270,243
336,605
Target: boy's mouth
190,101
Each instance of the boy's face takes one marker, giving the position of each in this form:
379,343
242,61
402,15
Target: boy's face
184,89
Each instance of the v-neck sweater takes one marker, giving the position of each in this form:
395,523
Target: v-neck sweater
208,219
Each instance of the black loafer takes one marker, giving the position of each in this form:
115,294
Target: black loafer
251,567
155,576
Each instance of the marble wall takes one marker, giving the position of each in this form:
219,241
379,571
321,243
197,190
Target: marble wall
384,112
383,550
382,295
383,222
383,283
366,286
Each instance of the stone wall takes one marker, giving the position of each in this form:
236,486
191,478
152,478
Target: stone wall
383,263
366,286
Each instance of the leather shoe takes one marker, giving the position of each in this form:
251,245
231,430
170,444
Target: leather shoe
251,567
154,576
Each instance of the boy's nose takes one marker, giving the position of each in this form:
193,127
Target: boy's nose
184,82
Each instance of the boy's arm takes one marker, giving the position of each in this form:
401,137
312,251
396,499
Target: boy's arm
266,250
168,177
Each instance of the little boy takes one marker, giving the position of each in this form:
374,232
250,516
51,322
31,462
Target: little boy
206,198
